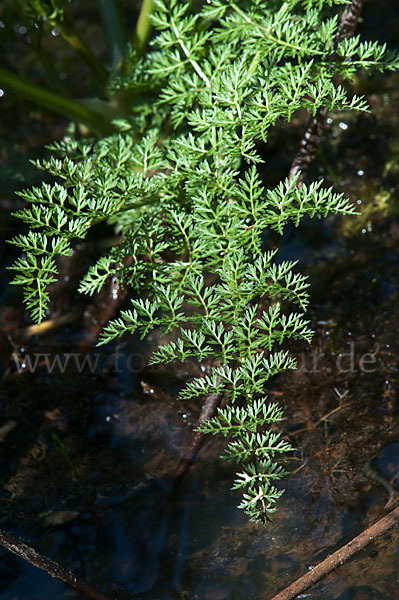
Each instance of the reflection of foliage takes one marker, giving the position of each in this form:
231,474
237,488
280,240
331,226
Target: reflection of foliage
182,183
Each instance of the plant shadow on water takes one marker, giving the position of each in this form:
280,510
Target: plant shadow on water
86,462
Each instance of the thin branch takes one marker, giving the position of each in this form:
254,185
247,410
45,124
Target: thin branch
312,136
340,556
313,425
44,563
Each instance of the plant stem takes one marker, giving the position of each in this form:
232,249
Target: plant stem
64,106
143,26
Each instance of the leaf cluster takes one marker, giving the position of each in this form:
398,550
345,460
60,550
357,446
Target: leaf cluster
184,185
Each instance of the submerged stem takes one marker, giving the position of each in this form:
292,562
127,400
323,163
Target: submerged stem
66,107
54,569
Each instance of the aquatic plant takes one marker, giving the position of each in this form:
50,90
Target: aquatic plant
183,182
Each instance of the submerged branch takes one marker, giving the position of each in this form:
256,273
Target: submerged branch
340,556
66,107
44,563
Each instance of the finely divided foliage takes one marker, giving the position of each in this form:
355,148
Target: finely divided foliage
181,183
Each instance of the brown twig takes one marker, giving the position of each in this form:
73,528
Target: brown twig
312,136
309,145
340,556
312,426
349,20
44,563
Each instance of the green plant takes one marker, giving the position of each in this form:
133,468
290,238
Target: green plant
183,184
